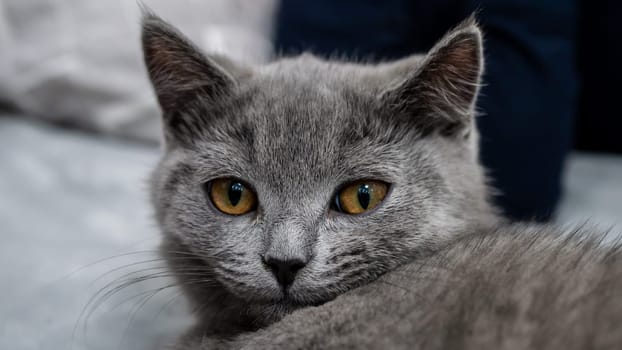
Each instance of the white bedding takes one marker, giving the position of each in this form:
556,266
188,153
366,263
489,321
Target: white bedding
66,201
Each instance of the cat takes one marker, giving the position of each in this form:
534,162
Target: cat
311,203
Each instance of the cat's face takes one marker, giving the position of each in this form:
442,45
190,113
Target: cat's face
294,182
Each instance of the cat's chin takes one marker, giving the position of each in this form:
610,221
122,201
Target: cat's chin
272,296
267,313
276,308
286,302
299,298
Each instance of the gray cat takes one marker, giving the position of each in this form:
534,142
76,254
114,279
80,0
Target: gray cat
320,204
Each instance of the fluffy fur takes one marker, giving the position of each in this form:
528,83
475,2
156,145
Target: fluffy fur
299,128
512,287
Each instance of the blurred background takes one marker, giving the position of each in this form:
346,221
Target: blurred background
79,133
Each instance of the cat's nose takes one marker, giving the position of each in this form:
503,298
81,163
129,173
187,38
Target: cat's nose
284,270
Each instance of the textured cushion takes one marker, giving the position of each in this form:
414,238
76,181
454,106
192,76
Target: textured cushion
79,62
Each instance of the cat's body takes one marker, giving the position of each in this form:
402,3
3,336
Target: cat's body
289,142
510,287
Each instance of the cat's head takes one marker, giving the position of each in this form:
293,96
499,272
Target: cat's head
293,182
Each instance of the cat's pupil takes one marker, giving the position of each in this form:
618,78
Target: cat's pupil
235,193
364,196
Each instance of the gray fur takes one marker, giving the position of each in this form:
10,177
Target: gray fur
511,287
296,130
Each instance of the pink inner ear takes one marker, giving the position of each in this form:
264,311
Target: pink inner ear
183,79
178,70
455,69
439,95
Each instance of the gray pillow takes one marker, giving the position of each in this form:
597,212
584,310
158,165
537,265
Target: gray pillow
79,62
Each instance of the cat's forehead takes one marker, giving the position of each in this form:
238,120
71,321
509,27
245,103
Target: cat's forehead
306,110
299,127
294,97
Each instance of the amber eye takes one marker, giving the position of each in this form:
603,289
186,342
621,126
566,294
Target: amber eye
231,196
360,196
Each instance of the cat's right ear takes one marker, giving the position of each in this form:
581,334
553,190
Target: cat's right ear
440,91
181,75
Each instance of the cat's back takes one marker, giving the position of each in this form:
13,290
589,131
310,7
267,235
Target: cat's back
511,287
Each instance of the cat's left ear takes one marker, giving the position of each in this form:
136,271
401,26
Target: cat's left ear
439,94
182,75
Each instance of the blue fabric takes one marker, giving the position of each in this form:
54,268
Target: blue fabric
529,99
